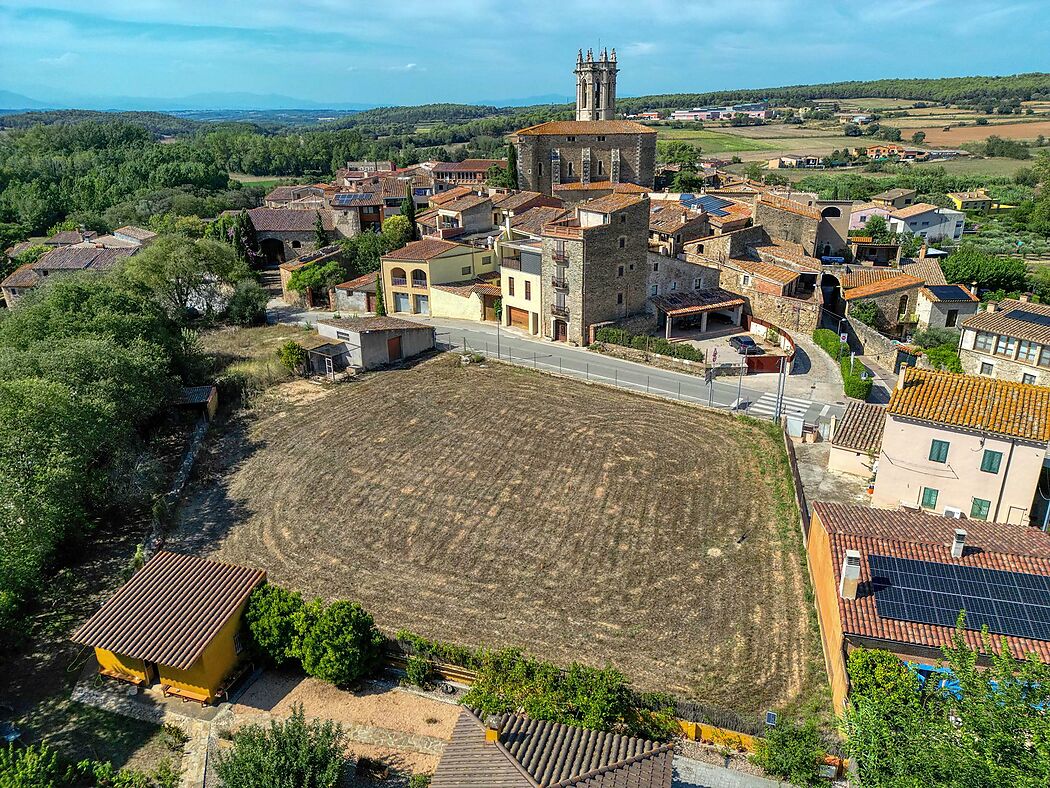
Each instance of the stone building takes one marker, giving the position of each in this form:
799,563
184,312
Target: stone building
593,149
1009,340
597,267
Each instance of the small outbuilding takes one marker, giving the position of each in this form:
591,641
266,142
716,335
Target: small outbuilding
177,622
203,400
369,342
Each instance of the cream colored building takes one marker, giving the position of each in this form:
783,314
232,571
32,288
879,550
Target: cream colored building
965,446
520,283
410,273
857,439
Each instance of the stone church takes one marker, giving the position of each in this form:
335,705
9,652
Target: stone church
593,155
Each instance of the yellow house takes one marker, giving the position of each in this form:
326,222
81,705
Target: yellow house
971,201
176,623
409,272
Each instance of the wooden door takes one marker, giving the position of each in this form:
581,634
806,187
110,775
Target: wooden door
393,349
519,318
561,331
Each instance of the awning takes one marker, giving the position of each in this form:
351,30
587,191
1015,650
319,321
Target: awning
681,304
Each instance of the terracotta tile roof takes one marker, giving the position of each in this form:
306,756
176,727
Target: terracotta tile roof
879,287
465,289
423,249
679,304
861,427
278,220
925,537
512,201
773,273
538,754
533,220
440,198
980,194
928,270
170,610
791,206
948,293
70,237
586,127
364,325
323,254
465,203
787,252
858,277
864,207
1013,318
610,203
364,282
468,165
601,186
23,276
974,402
670,217
913,210
281,193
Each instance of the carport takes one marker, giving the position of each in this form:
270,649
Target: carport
702,303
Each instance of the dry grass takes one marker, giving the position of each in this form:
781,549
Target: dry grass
497,506
1019,130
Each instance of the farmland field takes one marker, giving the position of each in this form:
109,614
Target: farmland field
712,142
498,506
955,136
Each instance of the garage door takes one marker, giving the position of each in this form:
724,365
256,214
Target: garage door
519,318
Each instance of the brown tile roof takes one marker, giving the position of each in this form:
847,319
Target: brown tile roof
133,231
913,210
68,258
928,270
364,325
678,304
584,127
538,754
774,273
1015,410
788,252
283,220
468,165
466,202
925,537
791,206
601,186
23,276
858,277
514,201
533,220
465,289
949,294
980,194
365,282
70,237
610,203
892,194
281,193
882,286
170,610
423,249
861,427
449,195
1013,318
670,217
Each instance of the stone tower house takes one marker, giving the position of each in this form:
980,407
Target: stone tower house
596,86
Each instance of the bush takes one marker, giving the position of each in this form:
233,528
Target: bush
290,754
866,312
247,305
419,781
644,342
417,670
271,617
341,643
853,384
31,767
437,651
792,752
292,355
945,357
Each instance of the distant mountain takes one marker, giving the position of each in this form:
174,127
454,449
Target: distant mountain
197,101
528,101
9,100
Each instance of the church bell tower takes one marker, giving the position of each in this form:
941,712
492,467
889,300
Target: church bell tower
596,86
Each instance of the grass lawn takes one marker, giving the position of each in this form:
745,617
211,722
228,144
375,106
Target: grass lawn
499,506
712,142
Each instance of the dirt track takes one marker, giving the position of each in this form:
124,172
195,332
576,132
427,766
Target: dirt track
498,506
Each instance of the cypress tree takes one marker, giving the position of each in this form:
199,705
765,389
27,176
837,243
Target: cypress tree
380,305
408,210
512,166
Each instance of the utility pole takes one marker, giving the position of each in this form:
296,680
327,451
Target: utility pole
780,392
740,380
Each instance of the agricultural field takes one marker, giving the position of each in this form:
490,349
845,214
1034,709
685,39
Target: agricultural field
490,505
762,142
956,135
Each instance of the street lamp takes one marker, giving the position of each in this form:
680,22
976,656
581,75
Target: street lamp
839,332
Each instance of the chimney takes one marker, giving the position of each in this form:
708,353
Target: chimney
973,287
1025,297
850,575
959,543
992,306
493,728
900,377
922,252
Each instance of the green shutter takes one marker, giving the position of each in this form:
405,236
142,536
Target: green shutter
939,451
929,498
991,460
980,509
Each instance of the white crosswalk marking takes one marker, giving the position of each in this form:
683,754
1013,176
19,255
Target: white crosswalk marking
766,406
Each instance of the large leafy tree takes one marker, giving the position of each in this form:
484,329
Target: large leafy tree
340,643
970,264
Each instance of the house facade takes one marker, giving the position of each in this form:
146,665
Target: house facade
945,306
964,445
410,272
929,221
1009,340
521,284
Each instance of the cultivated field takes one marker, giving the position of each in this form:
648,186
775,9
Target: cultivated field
972,133
498,506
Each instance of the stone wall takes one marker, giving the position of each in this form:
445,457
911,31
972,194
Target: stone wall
637,158
604,261
720,248
866,341
1002,368
787,225
889,307
794,314
665,272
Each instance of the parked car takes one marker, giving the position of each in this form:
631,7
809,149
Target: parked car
745,346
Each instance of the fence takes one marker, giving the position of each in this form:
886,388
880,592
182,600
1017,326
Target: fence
800,494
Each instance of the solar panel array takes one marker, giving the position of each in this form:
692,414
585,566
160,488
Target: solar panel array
345,199
926,592
948,291
708,202
1030,317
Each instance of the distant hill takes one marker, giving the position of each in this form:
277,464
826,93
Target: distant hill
157,123
16,101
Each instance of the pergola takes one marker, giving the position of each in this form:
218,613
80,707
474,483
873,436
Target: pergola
701,303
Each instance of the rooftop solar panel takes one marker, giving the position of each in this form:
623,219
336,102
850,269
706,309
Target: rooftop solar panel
707,202
349,198
1030,317
925,592
948,291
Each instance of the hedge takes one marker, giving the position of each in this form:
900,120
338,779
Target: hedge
657,345
853,384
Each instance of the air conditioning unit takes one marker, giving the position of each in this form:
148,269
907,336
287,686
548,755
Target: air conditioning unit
951,511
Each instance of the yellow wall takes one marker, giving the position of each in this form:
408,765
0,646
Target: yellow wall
120,664
445,304
823,574
517,300
440,270
844,460
218,660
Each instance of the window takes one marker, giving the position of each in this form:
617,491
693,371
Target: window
929,498
528,290
296,244
510,285
619,271
656,267
1028,351
344,335
1028,378
1044,356
630,267
698,284
569,170
980,508
601,138
654,290
939,451
570,139
623,242
986,368
745,280
984,342
619,298
952,318
541,168
1005,346
674,286
601,167
623,218
991,460
486,259
465,270
699,248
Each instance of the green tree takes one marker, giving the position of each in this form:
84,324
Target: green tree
271,619
792,751
320,234
677,152
396,232
342,644
408,210
293,356
754,171
968,263
292,753
918,137
247,306
380,303
686,181
879,230
512,165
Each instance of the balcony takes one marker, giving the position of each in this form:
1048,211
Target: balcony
398,281
560,257
559,311
559,283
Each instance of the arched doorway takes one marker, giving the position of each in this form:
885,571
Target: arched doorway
272,251
831,212
561,331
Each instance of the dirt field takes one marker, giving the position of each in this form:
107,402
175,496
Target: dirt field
497,506
973,133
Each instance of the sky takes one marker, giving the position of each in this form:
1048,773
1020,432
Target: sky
396,52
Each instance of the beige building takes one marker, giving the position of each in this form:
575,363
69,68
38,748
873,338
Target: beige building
895,198
965,446
521,284
410,273
857,440
944,306
1010,340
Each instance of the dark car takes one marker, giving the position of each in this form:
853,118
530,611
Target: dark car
745,346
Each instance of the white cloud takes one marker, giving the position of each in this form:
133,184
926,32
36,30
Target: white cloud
65,59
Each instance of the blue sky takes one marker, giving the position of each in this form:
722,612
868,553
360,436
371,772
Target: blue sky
411,52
